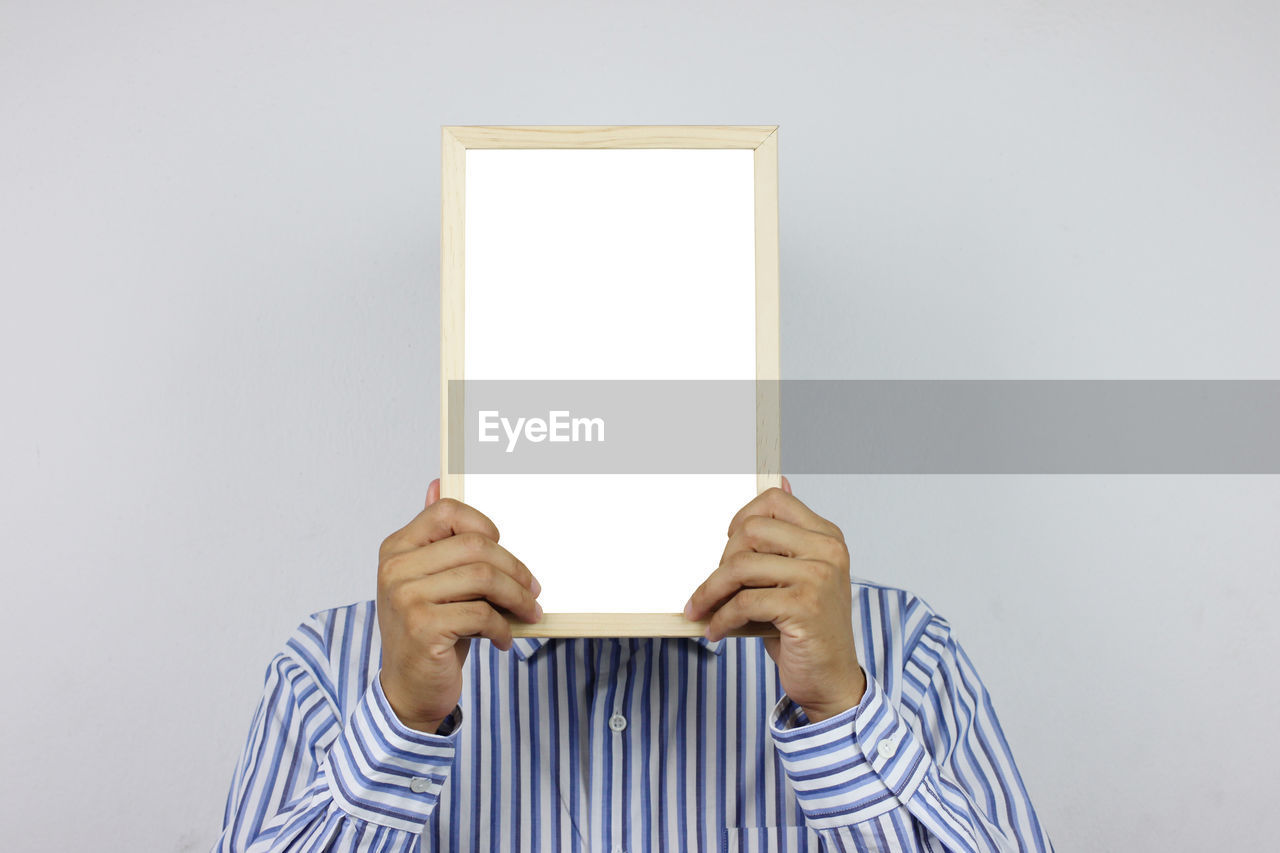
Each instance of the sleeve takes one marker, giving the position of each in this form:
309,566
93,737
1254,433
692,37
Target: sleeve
307,781
934,772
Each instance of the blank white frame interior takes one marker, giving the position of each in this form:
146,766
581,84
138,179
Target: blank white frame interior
611,253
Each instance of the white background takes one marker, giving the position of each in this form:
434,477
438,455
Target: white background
613,265
220,238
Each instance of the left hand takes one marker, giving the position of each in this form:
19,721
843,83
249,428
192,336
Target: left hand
787,565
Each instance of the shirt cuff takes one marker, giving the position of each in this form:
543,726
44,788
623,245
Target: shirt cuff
851,767
386,773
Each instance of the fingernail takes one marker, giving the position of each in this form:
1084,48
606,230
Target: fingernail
688,609
538,608
536,587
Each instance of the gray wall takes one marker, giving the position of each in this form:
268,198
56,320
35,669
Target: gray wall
220,263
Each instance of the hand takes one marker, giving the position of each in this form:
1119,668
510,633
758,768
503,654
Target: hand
787,565
439,579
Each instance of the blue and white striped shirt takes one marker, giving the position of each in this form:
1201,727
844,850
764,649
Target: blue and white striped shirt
631,745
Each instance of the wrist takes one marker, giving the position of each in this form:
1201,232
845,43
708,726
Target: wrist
839,704
430,727
416,722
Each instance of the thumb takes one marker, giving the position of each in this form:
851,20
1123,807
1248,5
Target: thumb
433,491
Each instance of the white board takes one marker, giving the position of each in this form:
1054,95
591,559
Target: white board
611,264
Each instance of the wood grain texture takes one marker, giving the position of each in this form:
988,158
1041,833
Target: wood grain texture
612,136
768,345
455,141
626,625
453,220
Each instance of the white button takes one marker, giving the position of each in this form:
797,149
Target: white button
887,748
420,785
617,722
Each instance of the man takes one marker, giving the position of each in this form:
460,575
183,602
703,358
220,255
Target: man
419,723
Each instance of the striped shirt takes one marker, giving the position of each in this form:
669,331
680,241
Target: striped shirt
630,745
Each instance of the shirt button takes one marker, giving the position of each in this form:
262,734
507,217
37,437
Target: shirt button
420,785
887,748
617,722
619,849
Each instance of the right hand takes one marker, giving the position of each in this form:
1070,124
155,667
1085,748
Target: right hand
439,580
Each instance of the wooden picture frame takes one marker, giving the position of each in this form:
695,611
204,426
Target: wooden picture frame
761,143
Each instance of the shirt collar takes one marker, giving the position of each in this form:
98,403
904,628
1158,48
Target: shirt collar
526,647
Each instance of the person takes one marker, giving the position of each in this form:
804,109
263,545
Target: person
416,721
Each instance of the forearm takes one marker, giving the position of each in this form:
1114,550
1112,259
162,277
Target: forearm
897,769
308,782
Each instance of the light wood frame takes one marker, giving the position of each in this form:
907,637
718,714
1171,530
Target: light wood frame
763,140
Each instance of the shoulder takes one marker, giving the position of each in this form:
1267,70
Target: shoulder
333,648
901,638
896,612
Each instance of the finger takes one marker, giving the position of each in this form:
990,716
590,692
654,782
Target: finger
744,569
453,552
776,503
786,485
433,491
474,619
443,518
481,582
750,605
774,536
